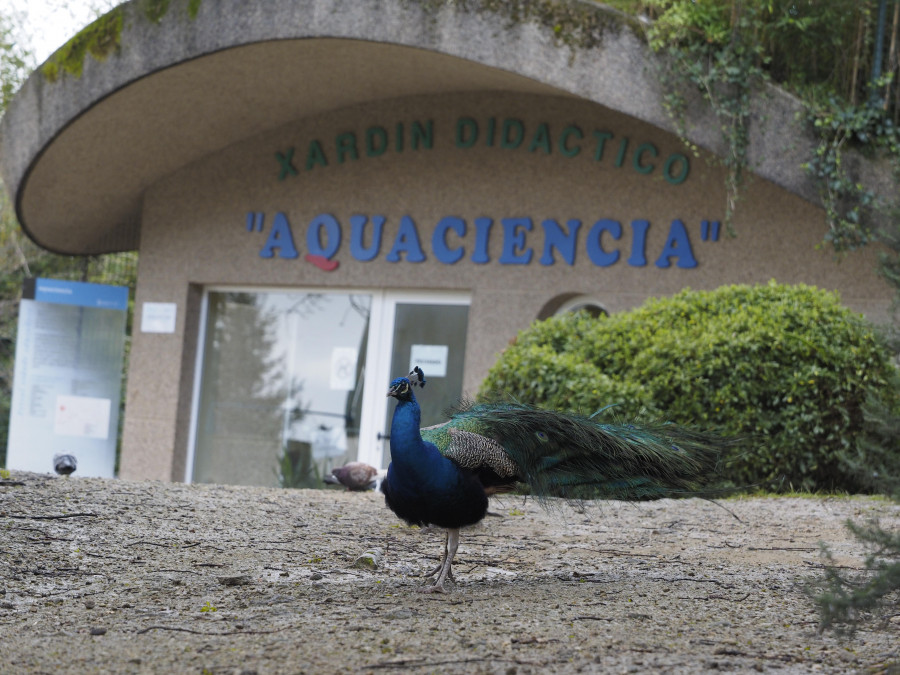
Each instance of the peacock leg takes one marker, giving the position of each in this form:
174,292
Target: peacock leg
452,545
440,565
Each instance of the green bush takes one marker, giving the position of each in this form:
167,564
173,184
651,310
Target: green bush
786,367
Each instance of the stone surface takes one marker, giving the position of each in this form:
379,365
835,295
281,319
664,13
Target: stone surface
108,576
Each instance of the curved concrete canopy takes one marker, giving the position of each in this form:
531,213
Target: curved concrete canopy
78,153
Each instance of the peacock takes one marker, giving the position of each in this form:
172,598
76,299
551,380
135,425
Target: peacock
443,475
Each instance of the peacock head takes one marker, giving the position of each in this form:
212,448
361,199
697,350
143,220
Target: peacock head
402,387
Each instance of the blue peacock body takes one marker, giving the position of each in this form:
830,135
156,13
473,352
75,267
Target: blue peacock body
423,486
443,475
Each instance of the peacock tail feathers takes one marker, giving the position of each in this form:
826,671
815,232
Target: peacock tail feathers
568,455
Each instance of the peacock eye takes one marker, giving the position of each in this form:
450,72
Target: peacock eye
404,388
542,436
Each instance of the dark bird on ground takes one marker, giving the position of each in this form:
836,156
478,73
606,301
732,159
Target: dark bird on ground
443,475
64,465
355,476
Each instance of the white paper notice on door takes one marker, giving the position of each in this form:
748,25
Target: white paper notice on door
343,368
432,359
82,416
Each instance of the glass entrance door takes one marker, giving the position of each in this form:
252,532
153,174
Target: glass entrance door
292,384
427,330
281,387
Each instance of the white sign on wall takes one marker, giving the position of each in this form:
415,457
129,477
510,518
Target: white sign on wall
158,317
432,359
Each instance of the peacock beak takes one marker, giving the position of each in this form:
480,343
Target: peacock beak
398,389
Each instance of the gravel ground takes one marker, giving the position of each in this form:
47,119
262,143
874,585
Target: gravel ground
111,576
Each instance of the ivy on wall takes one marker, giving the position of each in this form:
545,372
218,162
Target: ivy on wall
726,68
852,210
103,37
842,58
99,39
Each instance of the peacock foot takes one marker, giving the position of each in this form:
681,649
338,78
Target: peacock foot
438,569
437,586
443,570
433,588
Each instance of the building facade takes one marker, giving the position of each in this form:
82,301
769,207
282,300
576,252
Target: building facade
323,195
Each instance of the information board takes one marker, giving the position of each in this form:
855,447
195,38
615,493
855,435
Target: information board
67,377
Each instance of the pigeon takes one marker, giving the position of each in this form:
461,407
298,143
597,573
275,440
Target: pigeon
355,476
64,464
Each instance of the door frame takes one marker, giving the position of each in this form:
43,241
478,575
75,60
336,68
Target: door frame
379,370
378,354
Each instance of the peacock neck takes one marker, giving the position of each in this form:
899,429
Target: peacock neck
414,461
405,437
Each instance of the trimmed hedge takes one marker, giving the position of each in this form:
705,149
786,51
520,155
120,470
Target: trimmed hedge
787,367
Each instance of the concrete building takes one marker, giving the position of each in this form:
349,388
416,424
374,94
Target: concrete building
323,192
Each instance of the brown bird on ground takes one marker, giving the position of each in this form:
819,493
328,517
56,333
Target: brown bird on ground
355,476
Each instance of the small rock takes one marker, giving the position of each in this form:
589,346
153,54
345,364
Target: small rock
235,580
315,576
402,613
370,559
98,630
89,604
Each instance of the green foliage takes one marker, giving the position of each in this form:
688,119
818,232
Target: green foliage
713,49
549,366
296,468
823,51
155,10
13,62
575,25
844,599
849,206
813,48
193,8
876,462
99,39
785,366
